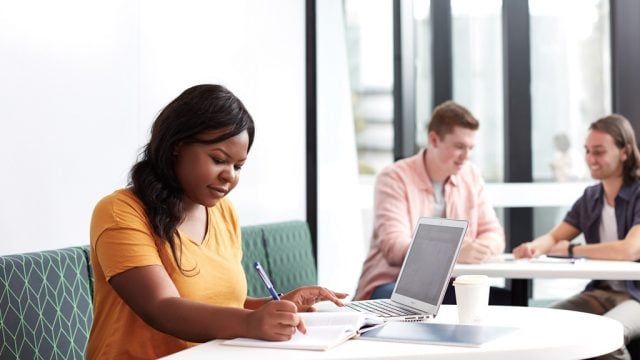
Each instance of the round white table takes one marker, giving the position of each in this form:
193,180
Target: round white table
543,334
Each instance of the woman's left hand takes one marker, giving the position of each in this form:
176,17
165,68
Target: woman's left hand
305,297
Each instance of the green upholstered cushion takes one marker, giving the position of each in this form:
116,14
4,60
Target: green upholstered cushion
288,248
45,305
253,249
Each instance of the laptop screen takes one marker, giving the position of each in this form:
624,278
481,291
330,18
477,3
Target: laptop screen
426,269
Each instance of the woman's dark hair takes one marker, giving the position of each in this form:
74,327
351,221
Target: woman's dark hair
624,138
198,109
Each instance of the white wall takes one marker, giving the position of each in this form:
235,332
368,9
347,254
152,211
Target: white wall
246,46
81,82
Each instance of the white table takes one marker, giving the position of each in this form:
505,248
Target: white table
543,334
505,266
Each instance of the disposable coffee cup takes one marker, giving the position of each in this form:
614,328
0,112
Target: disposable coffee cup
472,298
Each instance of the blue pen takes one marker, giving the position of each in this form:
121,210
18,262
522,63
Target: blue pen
265,280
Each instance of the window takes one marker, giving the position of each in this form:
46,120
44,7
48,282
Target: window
477,77
570,82
570,88
370,50
424,80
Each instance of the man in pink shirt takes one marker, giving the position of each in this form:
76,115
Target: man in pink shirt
436,182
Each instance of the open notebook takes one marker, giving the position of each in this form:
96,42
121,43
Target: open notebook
324,331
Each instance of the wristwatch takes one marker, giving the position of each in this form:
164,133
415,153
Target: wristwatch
570,249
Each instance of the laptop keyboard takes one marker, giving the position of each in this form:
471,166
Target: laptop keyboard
383,307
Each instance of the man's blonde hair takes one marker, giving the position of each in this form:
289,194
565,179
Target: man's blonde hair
448,115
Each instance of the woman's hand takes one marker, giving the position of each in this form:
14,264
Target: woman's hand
305,297
275,321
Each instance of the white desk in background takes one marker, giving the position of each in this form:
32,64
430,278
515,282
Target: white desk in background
543,334
505,266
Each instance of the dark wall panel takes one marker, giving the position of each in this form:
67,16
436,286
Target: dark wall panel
625,59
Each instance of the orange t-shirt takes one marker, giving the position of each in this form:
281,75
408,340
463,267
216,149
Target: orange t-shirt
122,239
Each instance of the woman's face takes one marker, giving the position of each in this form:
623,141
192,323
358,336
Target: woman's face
208,172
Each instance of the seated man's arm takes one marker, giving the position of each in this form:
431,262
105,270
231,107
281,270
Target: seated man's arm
542,245
494,242
392,226
490,232
627,249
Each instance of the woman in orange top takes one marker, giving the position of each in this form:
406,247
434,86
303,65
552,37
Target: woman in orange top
166,251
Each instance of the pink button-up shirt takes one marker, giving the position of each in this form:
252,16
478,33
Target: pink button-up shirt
403,193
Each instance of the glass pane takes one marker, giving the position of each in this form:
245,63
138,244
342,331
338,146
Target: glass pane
570,88
424,90
370,50
477,77
570,82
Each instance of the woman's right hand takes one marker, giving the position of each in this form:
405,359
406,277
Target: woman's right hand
275,321
525,250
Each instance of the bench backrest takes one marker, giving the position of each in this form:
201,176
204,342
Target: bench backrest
45,304
284,249
46,297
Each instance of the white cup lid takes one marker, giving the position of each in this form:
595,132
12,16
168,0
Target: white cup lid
471,280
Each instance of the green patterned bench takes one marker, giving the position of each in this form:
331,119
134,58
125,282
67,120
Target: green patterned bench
284,250
46,297
45,304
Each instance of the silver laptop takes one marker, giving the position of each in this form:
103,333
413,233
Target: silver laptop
424,275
